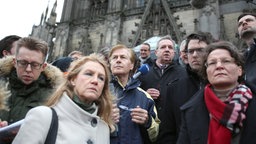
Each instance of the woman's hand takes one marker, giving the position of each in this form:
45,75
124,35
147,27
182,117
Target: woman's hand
115,113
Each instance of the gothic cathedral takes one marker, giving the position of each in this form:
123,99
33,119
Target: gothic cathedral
90,25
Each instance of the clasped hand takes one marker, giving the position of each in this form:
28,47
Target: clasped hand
139,115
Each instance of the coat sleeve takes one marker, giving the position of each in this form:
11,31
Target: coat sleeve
153,127
35,128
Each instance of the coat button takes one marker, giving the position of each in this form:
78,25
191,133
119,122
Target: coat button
94,122
89,142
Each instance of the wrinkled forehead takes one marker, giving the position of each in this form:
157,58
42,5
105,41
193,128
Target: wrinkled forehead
219,53
165,42
246,17
143,46
121,52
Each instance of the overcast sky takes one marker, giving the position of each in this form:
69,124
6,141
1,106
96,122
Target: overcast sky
19,16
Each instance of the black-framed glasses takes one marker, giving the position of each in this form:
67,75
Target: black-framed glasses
24,64
199,51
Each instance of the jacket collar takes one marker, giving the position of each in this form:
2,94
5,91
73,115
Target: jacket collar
132,83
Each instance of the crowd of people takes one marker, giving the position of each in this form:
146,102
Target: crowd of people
206,97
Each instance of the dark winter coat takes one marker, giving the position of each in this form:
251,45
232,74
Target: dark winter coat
195,122
24,97
178,93
250,68
154,79
129,132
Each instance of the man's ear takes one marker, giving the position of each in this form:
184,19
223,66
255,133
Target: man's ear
14,62
5,53
156,51
44,66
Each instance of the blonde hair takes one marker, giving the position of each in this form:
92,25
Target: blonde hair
105,100
120,46
131,53
75,52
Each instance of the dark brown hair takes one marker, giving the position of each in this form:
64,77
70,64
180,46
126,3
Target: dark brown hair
6,43
33,44
244,14
234,53
201,37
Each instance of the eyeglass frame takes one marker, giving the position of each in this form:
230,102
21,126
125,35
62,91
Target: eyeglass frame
199,51
224,62
28,63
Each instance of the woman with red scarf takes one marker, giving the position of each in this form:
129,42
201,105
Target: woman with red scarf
224,112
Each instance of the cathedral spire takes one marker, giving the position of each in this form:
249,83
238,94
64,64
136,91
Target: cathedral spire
42,18
53,15
54,8
46,12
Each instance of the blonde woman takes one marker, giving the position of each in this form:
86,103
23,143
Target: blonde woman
83,105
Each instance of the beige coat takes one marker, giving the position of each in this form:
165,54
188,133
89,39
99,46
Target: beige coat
76,126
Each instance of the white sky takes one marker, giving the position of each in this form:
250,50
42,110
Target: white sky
19,16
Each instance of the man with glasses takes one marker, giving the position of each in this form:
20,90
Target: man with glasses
26,79
183,89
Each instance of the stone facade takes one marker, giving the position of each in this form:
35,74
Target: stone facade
89,25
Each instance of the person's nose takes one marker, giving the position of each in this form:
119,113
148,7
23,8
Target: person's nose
28,68
95,79
118,60
244,23
219,64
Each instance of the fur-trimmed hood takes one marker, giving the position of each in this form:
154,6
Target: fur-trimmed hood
52,73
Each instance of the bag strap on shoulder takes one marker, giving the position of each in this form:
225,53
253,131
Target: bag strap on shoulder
52,133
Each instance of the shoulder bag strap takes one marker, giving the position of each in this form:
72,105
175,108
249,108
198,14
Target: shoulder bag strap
52,133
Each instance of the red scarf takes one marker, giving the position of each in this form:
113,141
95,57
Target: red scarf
226,118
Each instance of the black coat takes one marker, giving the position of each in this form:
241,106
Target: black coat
149,61
250,68
154,79
195,122
177,94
